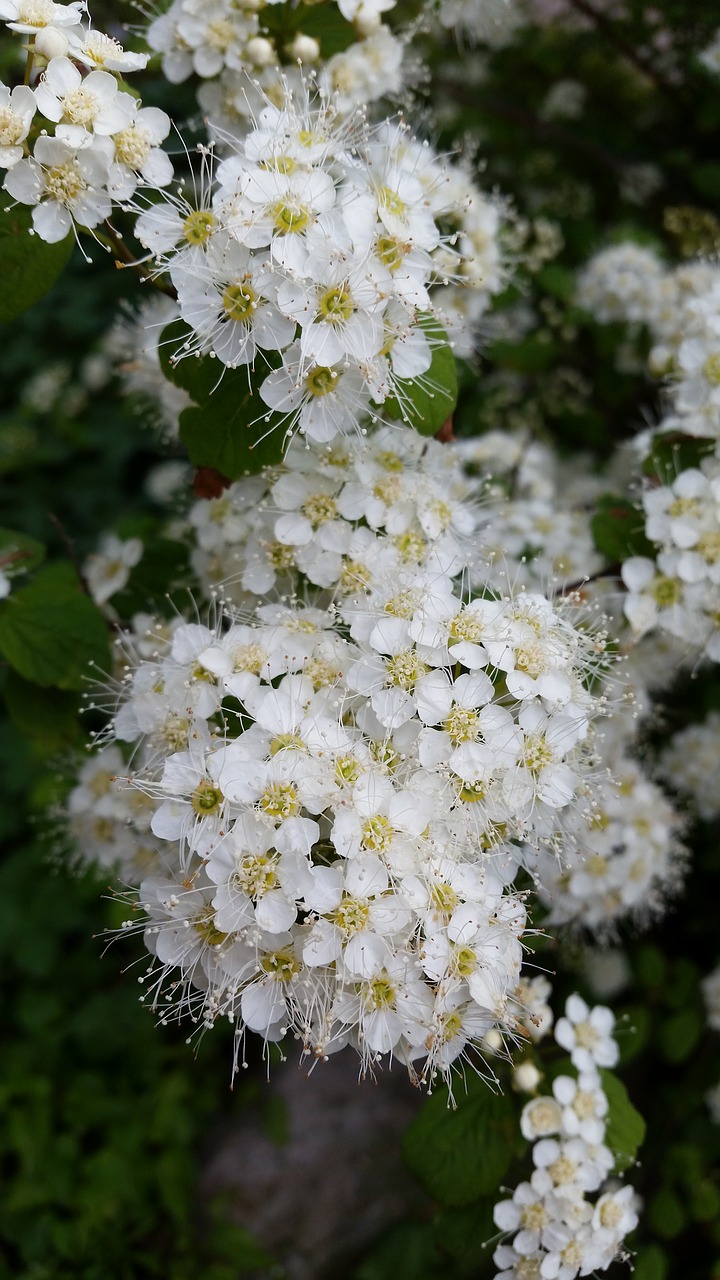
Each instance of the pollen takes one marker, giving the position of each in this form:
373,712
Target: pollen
405,669
133,145
280,800
65,182
319,508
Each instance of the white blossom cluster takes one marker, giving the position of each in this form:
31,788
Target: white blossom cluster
559,1231
340,517
628,856
343,795
315,252
223,42
74,142
535,509
690,764
679,591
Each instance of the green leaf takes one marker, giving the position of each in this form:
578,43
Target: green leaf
18,552
427,402
617,529
229,428
625,1126
679,1034
650,1264
47,716
557,281
672,453
28,265
233,432
459,1156
50,631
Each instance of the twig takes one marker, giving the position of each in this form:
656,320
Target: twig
124,257
609,30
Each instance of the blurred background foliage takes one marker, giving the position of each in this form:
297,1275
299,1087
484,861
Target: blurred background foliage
106,1120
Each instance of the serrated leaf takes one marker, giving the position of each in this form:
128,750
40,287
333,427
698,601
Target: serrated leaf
47,716
50,631
427,402
625,1126
617,529
18,552
459,1156
28,265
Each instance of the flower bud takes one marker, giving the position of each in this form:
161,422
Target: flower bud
526,1077
304,48
367,23
261,52
51,43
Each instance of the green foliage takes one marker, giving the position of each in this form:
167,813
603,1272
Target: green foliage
625,1126
427,402
28,266
51,633
672,453
230,429
48,716
617,529
19,553
458,1155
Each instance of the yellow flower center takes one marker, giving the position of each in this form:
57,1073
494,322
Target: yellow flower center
319,508
405,669
80,107
198,226
206,799
290,218
377,833
65,182
133,145
280,800
321,381
463,725
336,305
256,874
239,302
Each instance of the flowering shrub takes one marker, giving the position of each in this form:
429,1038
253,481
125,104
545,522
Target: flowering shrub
361,581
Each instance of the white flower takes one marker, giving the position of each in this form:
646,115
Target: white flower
66,186
107,570
103,52
223,295
82,106
587,1034
17,108
29,16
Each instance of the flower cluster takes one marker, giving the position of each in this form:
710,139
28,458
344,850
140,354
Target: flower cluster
340,518
559,1231
74,143
315,251
628,857
679,591
690,764
341,794
220,41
